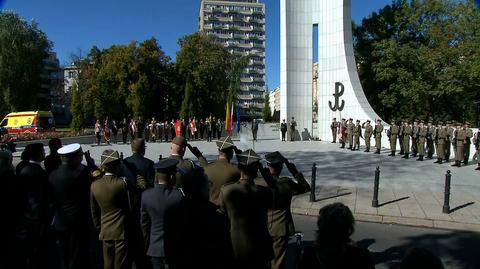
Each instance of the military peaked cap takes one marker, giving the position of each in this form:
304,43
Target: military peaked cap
248,157
166,165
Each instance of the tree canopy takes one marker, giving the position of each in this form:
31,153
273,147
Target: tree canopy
421,59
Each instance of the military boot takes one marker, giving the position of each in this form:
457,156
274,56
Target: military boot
406,156
478,168
438,161
392,154
377,151
420,158
367,150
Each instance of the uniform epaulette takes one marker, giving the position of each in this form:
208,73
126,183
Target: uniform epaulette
97,174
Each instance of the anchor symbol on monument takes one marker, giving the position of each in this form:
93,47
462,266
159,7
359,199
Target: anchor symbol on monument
339,91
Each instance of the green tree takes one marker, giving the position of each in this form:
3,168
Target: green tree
204,67
419,58
23,47
267,113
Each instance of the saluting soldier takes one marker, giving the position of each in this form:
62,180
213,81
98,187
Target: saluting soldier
246,206
221,171
280,220
448,144
476,142
467,143
350,127
430,141
357,133
393,134
378,136
334,128
460,137
422,135
343,133
441,142
415,138
401,127
184,166
407,132
367,134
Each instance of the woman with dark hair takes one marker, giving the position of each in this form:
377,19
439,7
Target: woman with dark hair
333,248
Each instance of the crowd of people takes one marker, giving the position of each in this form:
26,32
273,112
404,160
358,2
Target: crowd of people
161,131
415,139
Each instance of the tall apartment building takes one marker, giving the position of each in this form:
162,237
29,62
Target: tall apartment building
239,25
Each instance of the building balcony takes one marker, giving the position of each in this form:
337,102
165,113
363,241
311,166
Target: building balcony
256,62
246,12
245,96
246,45
258,79
246,80
258,45
207,26
257,105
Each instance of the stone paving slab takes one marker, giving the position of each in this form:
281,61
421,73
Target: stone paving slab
411,192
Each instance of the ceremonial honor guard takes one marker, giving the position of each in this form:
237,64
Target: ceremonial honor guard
467,143
343,133
401,127
460,137
378,136
422,135
283,129
293,125
334,128
357,133
441,140
448,145
407,131
367,134
393,133
280,220
430,141
350,127
415,138
476,141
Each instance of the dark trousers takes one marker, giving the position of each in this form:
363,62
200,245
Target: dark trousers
254,132
280,244
209,136
115,255
219,135
124,137
158,262
283,135
74,246
466,152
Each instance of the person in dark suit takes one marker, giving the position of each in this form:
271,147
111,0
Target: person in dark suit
36,217
206,243
283,129
142,176
333,247
24,159
221,171
246,206
70,193
110,207
156,202
280,220
53,161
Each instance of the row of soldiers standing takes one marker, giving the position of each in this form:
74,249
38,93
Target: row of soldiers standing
351,133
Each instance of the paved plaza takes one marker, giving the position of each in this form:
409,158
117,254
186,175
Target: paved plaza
411,192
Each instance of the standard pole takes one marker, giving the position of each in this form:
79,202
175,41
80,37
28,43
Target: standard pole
375,187
446,200
312,183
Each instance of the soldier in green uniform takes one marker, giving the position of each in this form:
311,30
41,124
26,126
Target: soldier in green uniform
441,142
448,143
476,142
334,128
460,137
415,138
357,133
350,127
293,126
467,143
393,133
377,134
430,141
246,206
110,206
401,127
184,166
221,171
407,132
280,220
422,135
367,134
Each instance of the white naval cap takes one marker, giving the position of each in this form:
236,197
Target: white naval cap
69,149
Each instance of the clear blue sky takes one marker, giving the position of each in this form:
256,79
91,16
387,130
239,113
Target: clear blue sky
77,25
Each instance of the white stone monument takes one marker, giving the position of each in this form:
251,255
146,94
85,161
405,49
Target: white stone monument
340,93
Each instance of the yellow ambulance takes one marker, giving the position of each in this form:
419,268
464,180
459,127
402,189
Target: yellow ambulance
28,122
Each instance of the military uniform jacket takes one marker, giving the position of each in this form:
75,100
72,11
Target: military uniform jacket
368,131
422,132
460,135
393,130
280,220
184,167
357,130
450,131
156,203
350,127
109,202
378,131
415,130
246,206
407,131
469,135
70,192
442,136
219,173
430,132
334,125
